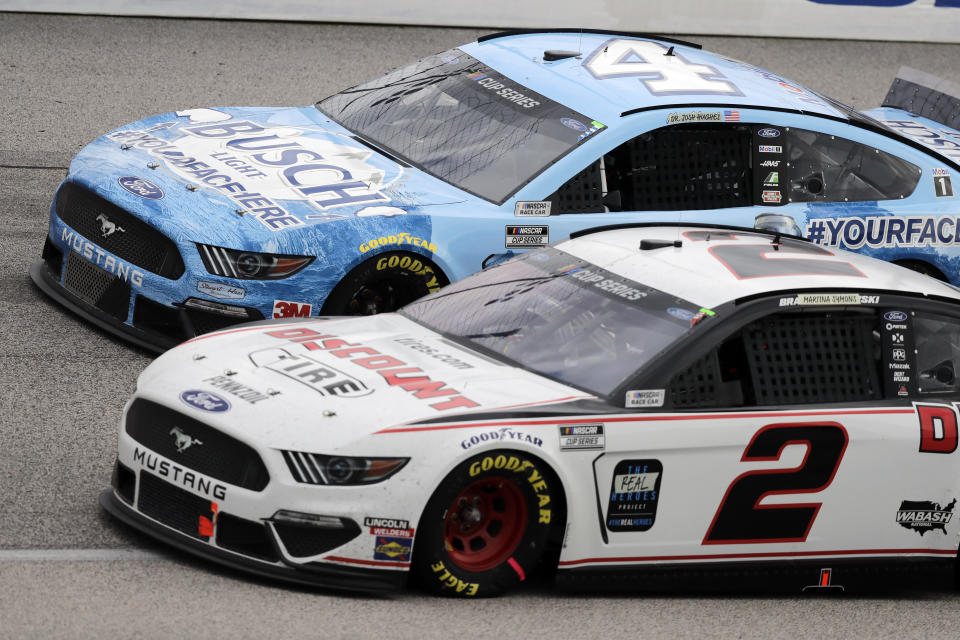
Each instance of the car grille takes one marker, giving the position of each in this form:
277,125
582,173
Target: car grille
219,456
100,288
245,537
132,239
182,323
302,541
172,506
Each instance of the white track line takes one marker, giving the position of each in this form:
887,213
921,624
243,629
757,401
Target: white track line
76,555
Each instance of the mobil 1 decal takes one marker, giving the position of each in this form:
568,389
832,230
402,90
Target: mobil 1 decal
769,165
896,339
634,495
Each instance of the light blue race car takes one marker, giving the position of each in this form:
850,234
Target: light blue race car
192,221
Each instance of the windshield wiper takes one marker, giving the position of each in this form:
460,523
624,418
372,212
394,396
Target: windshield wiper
493,334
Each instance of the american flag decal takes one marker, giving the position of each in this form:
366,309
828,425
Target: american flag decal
731,115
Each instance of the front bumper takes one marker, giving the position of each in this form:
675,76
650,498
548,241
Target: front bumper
333,576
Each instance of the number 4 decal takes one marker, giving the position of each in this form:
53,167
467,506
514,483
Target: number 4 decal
741,518
662,71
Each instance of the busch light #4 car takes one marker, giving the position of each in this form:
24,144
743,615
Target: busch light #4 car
191,221
659,405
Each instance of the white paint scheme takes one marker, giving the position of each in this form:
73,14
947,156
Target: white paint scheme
700,452
919,20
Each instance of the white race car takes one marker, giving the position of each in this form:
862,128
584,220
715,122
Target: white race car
659,405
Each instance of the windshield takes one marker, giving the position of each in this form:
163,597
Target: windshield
462,122
559,316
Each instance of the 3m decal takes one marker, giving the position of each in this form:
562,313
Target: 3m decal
741,518
922,516
634,495
288,309
579,437
938,427
395,371
662,71
521,236
532,209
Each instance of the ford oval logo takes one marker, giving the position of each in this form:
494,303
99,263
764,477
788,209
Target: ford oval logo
894,316
576,125
204,400
769,133
140,187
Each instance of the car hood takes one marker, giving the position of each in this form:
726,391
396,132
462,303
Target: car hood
269,176
320,385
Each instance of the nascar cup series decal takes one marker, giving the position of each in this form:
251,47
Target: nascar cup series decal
523,236
256,167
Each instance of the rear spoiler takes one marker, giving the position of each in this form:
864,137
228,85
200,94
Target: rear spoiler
925,95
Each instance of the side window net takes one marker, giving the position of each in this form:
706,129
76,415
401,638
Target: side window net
807,359
684,168
825,168
584,193
938,353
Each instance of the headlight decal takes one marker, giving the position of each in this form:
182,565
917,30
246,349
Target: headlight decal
250,265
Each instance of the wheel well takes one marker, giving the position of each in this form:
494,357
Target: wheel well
923,267
396,262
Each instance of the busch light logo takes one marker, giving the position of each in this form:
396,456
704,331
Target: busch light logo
140,187
204,400
894,316
768,133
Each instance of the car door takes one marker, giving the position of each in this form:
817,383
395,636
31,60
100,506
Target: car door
809,433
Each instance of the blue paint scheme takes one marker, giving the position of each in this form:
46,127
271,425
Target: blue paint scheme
457,231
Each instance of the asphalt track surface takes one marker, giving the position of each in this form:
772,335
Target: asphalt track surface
69,571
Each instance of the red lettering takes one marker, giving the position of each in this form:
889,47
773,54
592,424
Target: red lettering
334,343
427,388
290,334
938,428
393,378
452,403
343,353
378,362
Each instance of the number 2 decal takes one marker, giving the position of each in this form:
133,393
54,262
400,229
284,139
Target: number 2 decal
741,519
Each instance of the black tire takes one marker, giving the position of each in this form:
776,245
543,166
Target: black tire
487,525
386,282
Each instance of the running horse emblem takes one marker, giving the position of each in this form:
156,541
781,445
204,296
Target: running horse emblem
108,227
183,441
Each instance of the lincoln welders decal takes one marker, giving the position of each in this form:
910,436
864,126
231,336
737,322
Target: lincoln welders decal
922,516
257,166
885,231
634,495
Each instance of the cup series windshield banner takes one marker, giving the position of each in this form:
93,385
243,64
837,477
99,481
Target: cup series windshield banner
908,20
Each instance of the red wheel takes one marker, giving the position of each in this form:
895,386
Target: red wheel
485,523
486,526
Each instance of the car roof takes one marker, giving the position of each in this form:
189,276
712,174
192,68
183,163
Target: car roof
568,81
698,271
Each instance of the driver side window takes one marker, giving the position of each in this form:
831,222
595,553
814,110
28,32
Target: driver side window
938,353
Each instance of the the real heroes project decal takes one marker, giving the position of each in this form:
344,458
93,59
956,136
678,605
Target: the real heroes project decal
634,495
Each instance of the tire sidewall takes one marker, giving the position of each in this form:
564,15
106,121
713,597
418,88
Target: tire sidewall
414,273
432,564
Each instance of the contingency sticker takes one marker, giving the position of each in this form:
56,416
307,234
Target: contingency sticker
634,495
644,398
523,236
923,515
580,437
941,183
532,209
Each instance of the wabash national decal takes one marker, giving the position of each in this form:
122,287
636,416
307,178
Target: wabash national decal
922,515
